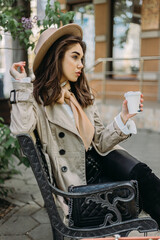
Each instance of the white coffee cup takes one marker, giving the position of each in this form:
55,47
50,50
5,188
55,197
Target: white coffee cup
133,101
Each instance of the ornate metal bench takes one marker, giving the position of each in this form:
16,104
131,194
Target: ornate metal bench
39,166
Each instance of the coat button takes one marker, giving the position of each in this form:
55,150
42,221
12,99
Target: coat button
64,169
62,152
61,134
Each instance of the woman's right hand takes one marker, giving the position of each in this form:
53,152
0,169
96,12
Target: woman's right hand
17,70
125,113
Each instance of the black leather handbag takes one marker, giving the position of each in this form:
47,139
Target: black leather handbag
117,204
93,166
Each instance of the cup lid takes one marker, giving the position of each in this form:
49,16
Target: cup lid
131,93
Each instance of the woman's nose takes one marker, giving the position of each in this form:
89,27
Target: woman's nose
80,65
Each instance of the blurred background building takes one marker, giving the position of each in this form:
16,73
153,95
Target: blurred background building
128,30
123,45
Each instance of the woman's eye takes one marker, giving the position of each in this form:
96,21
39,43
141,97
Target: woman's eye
75,57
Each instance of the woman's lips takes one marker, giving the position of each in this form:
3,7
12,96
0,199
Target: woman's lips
78,73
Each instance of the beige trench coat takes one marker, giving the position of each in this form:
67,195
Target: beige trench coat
61,141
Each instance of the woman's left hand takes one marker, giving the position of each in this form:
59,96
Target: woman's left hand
18,75
125,114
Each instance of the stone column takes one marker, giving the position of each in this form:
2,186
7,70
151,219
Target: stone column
150,45
102,44
102,29
8,53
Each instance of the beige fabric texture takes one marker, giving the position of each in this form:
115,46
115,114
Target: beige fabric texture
27,114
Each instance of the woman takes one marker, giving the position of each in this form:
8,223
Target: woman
60,105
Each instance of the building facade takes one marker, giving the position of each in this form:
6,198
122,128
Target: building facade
126,34
123,45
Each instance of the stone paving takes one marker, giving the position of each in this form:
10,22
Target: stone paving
29,220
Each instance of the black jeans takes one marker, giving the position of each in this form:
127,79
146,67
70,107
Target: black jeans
116,166
119,165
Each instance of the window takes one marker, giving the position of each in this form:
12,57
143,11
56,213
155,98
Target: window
84,16
126,34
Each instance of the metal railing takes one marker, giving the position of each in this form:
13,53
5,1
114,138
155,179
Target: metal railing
139,74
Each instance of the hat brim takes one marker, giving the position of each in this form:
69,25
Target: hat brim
72,29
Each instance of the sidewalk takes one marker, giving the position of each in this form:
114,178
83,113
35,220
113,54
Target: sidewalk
29,220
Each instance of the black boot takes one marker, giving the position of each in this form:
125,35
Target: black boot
149,188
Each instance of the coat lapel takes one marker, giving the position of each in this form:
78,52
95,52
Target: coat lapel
58,115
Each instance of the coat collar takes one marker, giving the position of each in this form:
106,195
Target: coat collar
58,115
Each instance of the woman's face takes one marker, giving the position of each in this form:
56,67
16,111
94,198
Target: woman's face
72,63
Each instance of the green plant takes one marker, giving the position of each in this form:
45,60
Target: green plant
13,20
10,21
9,150
54,15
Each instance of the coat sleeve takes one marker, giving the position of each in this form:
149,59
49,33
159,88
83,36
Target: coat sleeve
106,138
23,116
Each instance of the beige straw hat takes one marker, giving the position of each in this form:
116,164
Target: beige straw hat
49,36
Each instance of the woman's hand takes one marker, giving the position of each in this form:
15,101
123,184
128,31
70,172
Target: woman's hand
17,70
125,114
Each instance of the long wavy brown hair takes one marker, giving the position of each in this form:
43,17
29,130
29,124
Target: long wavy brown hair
48,74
